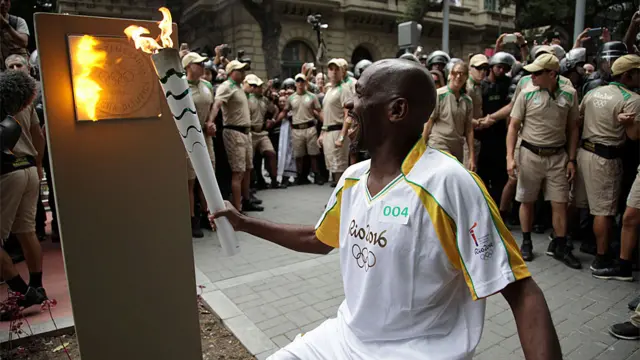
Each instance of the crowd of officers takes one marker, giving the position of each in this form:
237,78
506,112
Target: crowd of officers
553,130
252,114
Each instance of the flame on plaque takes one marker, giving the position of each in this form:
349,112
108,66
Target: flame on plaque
86,89
150,45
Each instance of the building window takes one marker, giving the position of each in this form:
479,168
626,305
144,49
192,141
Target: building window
491,5
360,53
294,55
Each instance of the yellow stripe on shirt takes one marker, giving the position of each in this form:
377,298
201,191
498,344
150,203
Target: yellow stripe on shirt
445,229
329,229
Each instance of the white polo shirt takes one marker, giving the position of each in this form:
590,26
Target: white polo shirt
417,260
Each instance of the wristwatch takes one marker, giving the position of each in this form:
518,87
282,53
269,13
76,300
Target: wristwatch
341,138
573,161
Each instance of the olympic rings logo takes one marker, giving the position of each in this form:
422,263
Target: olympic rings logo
599,103
487,255
365,259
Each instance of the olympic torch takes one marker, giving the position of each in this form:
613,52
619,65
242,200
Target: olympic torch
166,61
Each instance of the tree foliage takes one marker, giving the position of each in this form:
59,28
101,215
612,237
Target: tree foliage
417,9
613,14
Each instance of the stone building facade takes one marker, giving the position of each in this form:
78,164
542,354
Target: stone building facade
357,28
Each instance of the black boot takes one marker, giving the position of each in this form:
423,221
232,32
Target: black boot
553,246
276,185
601,262
569,259
204,221
254,200
196,231
588,248
251,206
527,250
319,180
32,297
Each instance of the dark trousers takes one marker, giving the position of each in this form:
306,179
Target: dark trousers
492,167
256,175
41,215
223,169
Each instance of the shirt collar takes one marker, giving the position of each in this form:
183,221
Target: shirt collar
413,156
618,84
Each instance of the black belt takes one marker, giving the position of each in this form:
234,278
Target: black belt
242,129
605,151
10,163
335,127
306,125
542,151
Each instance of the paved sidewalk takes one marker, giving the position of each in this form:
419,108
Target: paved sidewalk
267,294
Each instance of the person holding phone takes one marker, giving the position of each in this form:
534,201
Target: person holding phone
517,39
184,49
222,52
632,33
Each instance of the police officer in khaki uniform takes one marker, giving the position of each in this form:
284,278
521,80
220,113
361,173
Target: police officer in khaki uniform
258,108
478,67
525,83
600,165
202,93
231,98
332,138
350,81
20,174
545,114
305,108
451,123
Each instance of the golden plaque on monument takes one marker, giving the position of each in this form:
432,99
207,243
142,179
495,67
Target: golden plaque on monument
111,80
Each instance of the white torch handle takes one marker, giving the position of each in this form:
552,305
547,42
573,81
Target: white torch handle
176,90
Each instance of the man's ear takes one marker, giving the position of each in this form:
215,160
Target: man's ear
398,109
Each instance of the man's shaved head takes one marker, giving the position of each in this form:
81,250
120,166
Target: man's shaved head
405,79
393,97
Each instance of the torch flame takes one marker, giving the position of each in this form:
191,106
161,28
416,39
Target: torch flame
150,45
86,90
166,28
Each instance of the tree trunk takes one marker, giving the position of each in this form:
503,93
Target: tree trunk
266,14
270,48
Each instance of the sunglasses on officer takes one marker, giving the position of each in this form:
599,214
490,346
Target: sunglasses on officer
481,67
299,80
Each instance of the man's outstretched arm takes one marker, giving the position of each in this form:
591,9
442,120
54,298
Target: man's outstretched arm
533,319
300,238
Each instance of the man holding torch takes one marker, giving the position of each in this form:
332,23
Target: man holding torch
230,97
170,71
421,241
